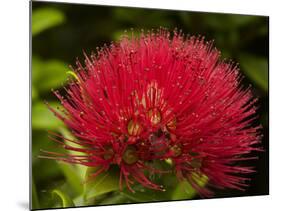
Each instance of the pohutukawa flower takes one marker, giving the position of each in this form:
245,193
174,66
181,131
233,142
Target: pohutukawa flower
162,97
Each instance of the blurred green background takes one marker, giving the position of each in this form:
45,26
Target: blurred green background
60,33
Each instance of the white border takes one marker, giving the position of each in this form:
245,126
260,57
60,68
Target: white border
14,116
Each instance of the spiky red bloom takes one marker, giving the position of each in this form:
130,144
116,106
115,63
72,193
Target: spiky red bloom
161,97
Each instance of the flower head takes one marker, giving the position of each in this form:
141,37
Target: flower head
161,97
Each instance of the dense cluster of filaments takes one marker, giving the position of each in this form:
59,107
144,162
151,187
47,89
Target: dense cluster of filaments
163,97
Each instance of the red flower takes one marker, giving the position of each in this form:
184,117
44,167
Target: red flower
161,97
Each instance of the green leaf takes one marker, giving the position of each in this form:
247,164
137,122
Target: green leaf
80,169
48,74
117,198
256,68
184,190
226,22
44,169
35,201
103,183
152,19
142,194
79,201
45,18
64,199
241,20
43,118
34,93
72,176
36,66
146,195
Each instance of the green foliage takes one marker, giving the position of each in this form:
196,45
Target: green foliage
116,198
43,118
101,184
184,190
45,18
63,198
170,183
136,17
35,201
80,169
108,182
72,176
34,93
49,74
65,184
142,194
173,190
242,20
256,68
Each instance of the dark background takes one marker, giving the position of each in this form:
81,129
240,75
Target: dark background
75,28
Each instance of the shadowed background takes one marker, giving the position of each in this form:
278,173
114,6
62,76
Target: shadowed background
60,33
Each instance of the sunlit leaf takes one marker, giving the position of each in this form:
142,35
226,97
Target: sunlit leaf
101,184
64,199
48,74
79,200
43,118
45,18
183,191
256,68
80,169
72,177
